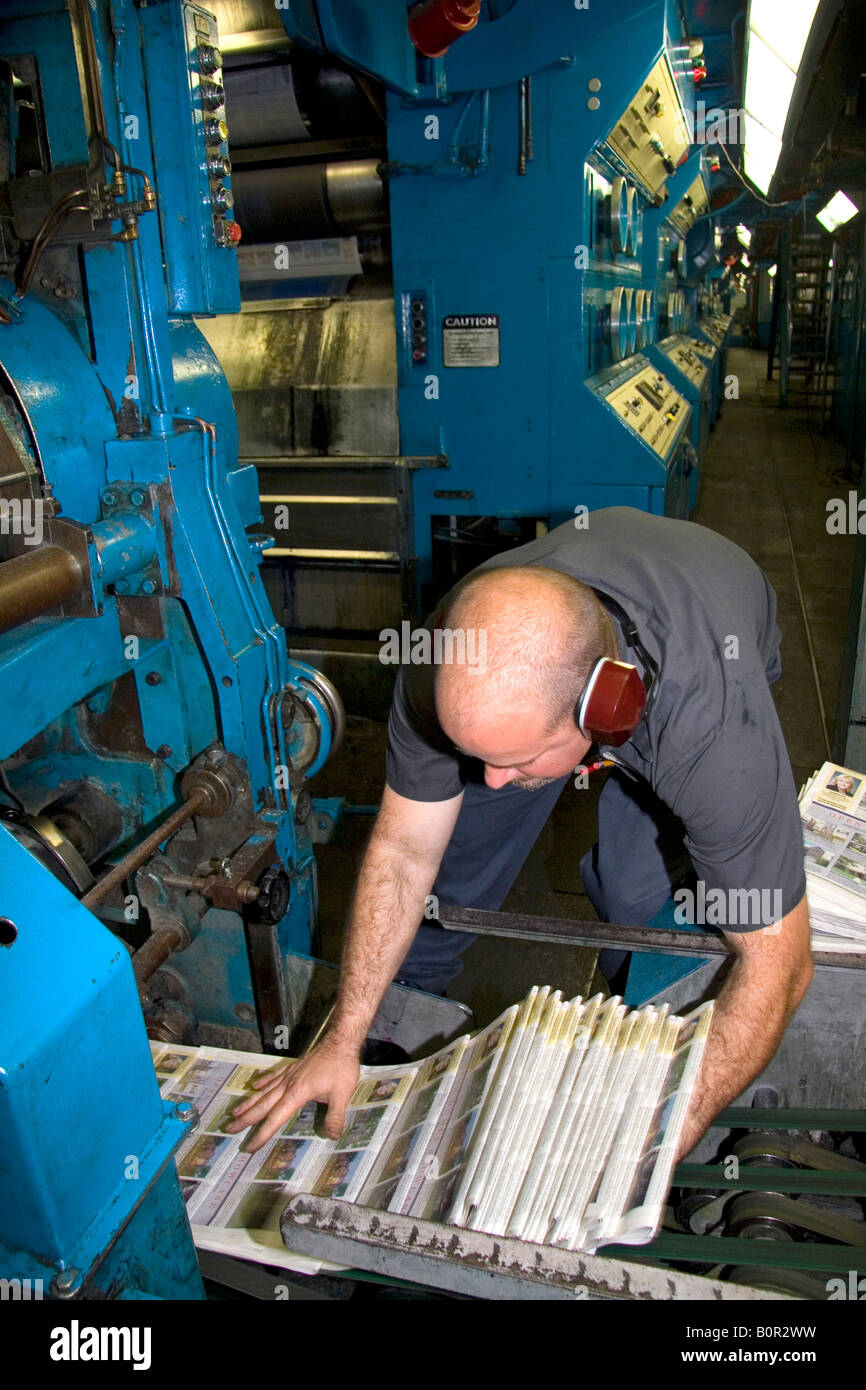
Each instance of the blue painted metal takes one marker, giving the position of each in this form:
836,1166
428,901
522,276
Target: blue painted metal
513,40
87,1060
202,276
473,236
122,413
49,33
328,812
376,42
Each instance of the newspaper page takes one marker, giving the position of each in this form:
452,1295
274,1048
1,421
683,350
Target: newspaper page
834,828
833,812
556,1123
652,1180
427,1175
234,1198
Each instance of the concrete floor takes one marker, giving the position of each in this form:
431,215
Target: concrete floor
768,477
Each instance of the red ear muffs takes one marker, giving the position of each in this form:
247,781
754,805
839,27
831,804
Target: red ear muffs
612,702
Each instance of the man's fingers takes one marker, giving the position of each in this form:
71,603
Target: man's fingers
273,1077
268,1128
258,1106
335,1120
279,1097
265,1087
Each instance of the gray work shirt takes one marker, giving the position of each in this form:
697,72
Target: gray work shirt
710,744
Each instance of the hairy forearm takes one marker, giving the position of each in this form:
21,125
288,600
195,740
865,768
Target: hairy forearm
387,908
749,1020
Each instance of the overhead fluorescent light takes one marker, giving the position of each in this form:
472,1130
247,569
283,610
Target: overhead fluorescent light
772,271
769,84
761,154
784,28
744,235
837,212
761,175
775,41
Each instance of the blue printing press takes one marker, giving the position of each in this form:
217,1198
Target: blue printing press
157,740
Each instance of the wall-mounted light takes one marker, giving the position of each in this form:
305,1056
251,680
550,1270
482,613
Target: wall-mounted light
837,212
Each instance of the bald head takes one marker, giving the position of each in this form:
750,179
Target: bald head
542,633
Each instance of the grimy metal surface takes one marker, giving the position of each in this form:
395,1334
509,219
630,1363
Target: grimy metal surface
607,935
479,1265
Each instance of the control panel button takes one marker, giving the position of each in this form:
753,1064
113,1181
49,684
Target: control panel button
213,95
222,198
216,132
209,57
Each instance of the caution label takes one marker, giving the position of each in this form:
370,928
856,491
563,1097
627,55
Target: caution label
470,340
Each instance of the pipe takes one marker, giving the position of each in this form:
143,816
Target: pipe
138,856
171,936
31,585
125,544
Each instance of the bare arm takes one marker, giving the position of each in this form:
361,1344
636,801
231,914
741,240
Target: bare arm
770,976
397,873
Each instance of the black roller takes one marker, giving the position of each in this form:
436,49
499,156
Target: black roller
301,201
282,204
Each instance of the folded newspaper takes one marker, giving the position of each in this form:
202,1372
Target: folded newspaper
558,1123
833,812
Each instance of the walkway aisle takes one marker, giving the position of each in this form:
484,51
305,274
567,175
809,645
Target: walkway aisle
768,478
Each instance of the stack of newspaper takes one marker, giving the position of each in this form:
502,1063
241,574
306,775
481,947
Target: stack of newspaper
558,1123
833,812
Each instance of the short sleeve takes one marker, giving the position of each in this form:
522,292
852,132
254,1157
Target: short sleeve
422,764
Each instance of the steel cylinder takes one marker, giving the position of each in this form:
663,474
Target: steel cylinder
31,585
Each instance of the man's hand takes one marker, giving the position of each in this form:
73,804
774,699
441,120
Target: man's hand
400,864
329,1073
772,971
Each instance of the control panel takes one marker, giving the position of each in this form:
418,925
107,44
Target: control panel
685,359
191,159
651,136
648,403
692,205
705,351
714,330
